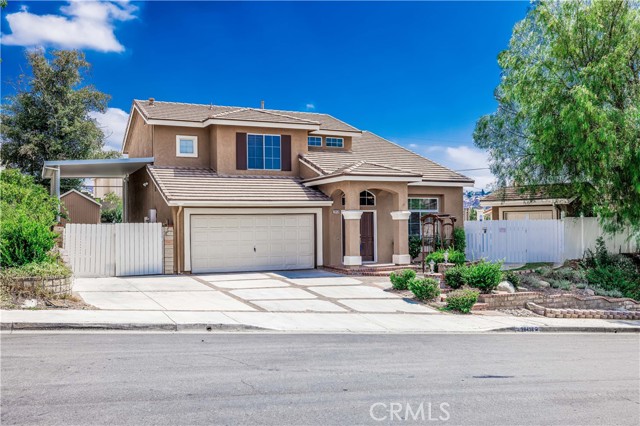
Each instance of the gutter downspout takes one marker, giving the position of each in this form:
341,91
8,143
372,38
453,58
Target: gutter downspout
180,240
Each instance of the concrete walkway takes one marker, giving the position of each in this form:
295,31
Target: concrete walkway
298,322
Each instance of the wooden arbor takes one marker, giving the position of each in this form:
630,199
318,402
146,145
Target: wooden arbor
437,233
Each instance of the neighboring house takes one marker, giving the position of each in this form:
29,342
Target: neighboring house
258,189
484,213
510,203
79,208
104,186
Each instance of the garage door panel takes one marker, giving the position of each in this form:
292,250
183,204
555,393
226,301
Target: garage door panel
222,243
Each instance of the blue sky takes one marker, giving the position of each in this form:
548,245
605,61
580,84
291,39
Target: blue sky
417,73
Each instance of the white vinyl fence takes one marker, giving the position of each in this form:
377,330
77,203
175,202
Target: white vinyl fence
120,249
522,241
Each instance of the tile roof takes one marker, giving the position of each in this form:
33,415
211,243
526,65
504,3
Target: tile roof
194,184
365,168
514,193
199,113
374,150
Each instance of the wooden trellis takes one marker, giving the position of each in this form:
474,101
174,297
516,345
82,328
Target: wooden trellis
437,233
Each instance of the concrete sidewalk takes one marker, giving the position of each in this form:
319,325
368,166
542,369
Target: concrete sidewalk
298,322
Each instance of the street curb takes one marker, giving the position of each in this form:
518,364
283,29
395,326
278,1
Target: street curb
572,329
26,326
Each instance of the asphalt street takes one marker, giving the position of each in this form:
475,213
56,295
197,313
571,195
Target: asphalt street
320,379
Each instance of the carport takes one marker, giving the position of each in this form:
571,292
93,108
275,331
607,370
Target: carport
107,168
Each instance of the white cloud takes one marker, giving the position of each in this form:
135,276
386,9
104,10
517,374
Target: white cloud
82,25
310,107
113,123
465,159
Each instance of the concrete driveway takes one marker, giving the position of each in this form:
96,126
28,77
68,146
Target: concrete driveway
290,291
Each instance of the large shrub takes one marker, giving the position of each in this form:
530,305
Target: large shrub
424,288
462,300
455,256
27,213
455,277
484,276
400,279
611,274
459,239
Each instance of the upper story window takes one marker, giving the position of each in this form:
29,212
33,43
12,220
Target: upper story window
314,141
263,152
186,146
334,142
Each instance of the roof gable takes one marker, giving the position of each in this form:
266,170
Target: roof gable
87,196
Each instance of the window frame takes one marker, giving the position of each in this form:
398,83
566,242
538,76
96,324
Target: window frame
326,143
264,150
421,211
315,146
193,139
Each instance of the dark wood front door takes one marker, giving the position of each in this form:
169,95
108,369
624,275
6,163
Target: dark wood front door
367,237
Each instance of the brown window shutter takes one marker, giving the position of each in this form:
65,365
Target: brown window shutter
241,151
285,152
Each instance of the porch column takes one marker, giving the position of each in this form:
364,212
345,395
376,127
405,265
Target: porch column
352,237
401,237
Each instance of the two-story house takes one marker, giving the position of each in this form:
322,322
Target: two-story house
249,189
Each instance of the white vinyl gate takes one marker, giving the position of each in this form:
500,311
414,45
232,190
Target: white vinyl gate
114,249
515,241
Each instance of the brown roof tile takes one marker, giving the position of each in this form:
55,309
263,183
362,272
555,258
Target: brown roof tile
198,113
514,193
192,184
373,149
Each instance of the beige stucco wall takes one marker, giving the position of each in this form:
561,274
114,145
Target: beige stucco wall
450,199
164,146
225,157
104,186
139,138
79,209
141,198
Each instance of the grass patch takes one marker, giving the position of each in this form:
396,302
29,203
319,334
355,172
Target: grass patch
47,269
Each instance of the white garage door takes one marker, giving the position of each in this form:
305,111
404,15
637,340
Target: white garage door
228,243
534,215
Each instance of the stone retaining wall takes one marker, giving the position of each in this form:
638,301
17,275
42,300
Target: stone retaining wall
557,301
582,313
55,286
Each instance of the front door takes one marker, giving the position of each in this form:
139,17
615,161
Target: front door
367,242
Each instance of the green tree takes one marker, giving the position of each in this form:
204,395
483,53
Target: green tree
111,211
569,106
48,117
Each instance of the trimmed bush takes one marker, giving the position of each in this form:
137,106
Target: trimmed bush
415,246
484,276
455,256
454,277
512,277
400,279
459,239
424,288
462,300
